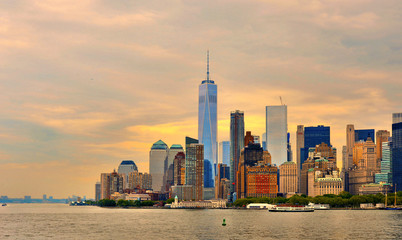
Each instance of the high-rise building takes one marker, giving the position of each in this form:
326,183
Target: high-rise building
222,183
365,167
207,126
397,151
248,138
264,141
277,130
255,177
125,168
224,152
236,145
139,180
168,178
195,175
350,143
157,159
364,134
190,164
299,146
179,168
314,136
385,176
396,118
288,177
110,184
257,139
97,191
381,137
289,148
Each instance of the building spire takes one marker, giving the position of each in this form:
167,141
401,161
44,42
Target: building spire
208,65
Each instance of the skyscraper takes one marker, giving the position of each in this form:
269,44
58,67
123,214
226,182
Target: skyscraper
97,192
236,144
350,143
288,177
381,137
363,134
224,152
179,168
277,130
190,164
397,151
207,126
168,178
299,146
157,158
195,155
125,168
313,136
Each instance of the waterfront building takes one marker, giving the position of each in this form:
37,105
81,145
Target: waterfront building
179,164
139,180
224,152
321,163
375,188
288,177
125,168
327,184
397,151
157,159
256,178
213,203
130,196
207,126
195,175
236,145
97,192
277,129
363,172
183,192
111,183
168,178
364,134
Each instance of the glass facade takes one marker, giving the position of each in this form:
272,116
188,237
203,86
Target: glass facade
207,128
397,155
277,131
190,163
236,144
224,152
363,134
314,136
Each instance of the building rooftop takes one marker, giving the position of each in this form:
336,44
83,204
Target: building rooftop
176,146
286,163
159,145
127,162
321,160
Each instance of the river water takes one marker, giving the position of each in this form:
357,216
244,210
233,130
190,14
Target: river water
60,221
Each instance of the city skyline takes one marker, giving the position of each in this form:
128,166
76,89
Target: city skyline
83,91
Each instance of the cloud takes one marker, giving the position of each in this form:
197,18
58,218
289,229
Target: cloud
88,83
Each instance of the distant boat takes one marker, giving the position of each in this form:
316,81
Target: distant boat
292,209
4,204
386,200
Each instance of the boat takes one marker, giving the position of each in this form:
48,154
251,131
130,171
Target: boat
386,200
291,209
4,204
318,206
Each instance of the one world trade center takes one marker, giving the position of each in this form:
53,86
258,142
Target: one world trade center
207,126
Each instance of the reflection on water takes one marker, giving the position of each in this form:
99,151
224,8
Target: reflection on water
57,221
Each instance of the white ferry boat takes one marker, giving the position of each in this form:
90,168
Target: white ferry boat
292,209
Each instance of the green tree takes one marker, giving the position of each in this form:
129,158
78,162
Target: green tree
107,203
170,200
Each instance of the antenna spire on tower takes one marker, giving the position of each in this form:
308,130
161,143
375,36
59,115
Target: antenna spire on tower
208,65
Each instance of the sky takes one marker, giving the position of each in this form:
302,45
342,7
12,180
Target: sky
85,84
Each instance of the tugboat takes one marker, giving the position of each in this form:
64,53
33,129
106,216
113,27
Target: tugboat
291,208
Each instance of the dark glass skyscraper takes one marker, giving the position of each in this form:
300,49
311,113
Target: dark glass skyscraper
397,155
207,126
314,136
236,144
363,134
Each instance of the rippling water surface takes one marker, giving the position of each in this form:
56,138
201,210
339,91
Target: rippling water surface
58,221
